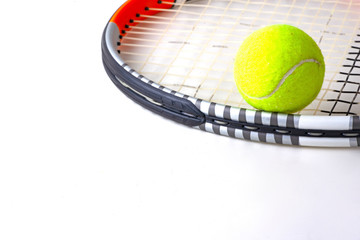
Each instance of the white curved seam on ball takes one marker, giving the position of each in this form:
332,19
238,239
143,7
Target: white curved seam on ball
284,78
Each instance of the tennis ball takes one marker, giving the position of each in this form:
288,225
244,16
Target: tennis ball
279,68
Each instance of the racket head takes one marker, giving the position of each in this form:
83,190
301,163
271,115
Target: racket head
293,129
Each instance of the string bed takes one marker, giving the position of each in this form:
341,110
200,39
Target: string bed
191,47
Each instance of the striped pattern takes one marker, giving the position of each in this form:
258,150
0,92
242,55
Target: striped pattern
250,135
280,138
254,117
247,116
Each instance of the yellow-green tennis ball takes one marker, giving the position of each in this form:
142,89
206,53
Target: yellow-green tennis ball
279,68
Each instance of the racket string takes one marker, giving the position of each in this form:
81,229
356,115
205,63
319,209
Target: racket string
197,35
341,92
327,88
171,20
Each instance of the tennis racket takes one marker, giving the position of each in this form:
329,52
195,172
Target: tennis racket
176,59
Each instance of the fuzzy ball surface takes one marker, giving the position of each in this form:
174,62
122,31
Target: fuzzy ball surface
279,68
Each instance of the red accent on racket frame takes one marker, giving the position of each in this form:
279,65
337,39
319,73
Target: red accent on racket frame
133,9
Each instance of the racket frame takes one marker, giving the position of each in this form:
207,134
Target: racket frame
191,111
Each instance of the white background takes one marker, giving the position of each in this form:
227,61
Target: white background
78,160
